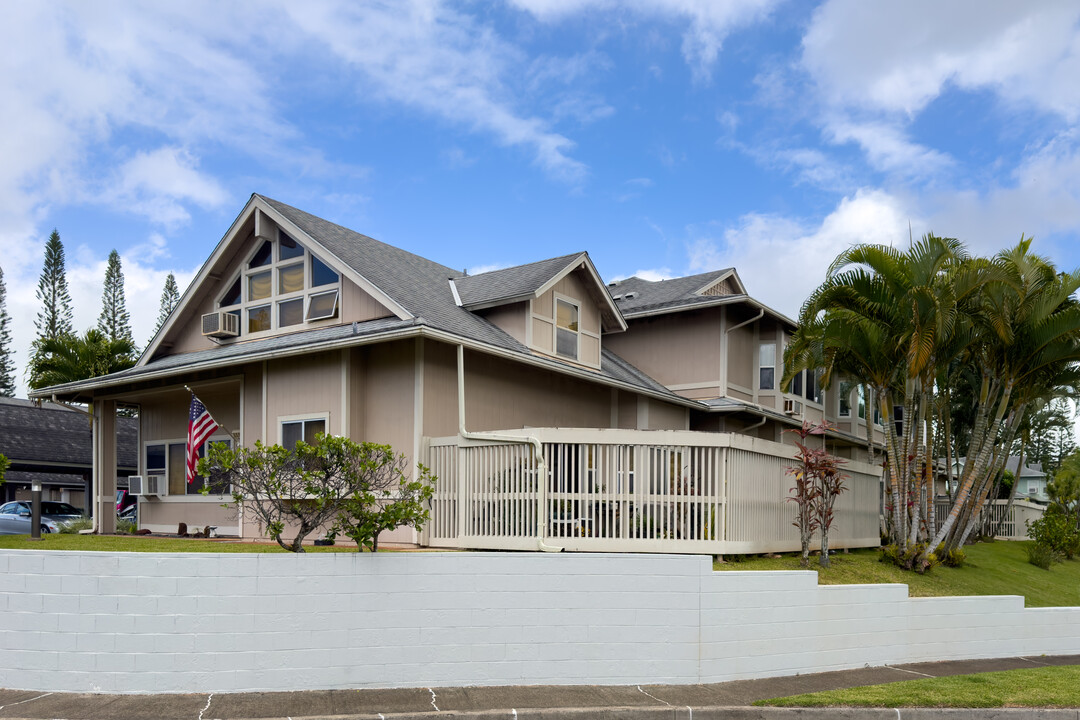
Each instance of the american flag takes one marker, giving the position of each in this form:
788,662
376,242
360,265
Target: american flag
200,427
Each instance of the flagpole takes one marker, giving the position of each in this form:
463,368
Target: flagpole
235,436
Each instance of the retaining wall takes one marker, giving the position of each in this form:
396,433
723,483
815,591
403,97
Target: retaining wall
135,622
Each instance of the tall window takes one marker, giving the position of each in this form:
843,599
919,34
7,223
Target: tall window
167,458
845,399
282,286
566,329
293,431
767,366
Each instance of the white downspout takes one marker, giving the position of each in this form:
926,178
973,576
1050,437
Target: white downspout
756,425
541,467
747,322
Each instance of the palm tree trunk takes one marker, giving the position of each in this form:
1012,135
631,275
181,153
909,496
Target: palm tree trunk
973,470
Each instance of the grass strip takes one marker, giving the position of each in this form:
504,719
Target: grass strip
992,568
1043,687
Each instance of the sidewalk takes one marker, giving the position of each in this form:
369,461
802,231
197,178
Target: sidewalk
648,702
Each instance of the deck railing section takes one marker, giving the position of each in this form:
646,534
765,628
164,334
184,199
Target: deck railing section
633,491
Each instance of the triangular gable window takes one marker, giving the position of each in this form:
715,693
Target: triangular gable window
282,285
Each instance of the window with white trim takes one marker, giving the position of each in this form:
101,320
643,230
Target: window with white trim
292,431
767,366
168,459
845,399
566,328
282,286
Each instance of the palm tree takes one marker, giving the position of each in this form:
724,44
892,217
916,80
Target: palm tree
69,358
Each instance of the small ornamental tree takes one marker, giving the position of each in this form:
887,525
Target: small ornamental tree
382,497
331,484
818,482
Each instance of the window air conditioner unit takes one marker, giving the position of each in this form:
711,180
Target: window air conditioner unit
792,407
136,485
147,485
220,324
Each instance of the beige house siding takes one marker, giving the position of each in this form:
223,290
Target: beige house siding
512,319
167,516
721,288
572,287
502,394
677,350
389,386
741,354
358,306
440,389
253,404
308,385
627,411
665,416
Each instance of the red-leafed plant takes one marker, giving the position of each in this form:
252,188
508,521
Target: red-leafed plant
818,482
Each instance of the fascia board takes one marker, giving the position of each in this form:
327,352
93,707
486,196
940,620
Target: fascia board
586,261
197,282
229,238
720,300
496,302
351,341
715,281
345,269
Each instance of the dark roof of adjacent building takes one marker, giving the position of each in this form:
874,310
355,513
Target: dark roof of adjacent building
510,283
33,434
647,295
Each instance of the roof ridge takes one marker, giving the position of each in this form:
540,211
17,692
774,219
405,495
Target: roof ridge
522,265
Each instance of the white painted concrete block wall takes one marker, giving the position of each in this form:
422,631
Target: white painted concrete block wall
184,623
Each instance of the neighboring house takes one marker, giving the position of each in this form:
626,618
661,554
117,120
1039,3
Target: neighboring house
51,444
296,326
1030,481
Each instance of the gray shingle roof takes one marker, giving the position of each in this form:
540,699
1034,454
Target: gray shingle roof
663,294
419,285
510,282
55,434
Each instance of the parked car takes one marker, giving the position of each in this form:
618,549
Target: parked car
15,517
131,512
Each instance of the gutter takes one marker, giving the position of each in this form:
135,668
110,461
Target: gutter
352,340
541,467
747,322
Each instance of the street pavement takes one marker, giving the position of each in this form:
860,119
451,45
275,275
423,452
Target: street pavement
729,701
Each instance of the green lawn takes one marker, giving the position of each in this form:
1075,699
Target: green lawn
996,568
1031,687
140,543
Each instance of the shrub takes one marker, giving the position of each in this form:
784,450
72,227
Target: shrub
125,526
1041,555
950,558
1057,532
75,526
915,558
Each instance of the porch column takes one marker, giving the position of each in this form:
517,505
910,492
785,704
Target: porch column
105,465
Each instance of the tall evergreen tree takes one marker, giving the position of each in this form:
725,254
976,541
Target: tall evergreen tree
54,319
170,296
114,322
7,364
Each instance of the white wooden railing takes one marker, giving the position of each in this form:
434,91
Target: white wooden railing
631,491
1015,525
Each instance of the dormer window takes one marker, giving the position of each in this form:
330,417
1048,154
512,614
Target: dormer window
566,329
281,286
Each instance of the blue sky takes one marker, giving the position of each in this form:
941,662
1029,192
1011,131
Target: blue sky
664,137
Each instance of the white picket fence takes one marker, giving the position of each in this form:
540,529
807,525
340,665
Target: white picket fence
632,491
1015,525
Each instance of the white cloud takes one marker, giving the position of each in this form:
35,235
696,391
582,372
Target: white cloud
426,56
710,21
888,150
898,57
481,269
157,184
782,259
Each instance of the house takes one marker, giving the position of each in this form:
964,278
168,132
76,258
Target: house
51,444
536,393
1030,481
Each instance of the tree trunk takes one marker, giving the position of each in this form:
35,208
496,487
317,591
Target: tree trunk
1016,486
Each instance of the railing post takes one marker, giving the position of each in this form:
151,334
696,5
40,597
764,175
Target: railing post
461,494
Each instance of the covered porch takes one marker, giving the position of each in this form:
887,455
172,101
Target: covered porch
582,489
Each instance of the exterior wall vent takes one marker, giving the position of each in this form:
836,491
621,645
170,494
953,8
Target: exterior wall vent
220,324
